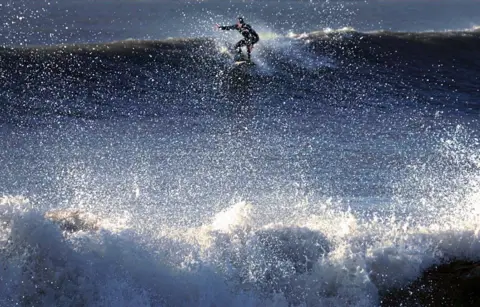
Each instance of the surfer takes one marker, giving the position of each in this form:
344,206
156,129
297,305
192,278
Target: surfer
250,37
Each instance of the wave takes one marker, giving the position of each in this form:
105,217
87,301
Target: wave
36,79
448,52
420,49
175,49
70,257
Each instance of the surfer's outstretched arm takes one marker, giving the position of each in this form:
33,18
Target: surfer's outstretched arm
232,27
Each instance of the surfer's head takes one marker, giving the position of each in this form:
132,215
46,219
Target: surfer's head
240,21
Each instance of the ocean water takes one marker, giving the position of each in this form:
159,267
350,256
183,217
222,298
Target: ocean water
141,168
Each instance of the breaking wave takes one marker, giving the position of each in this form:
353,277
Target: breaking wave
243,257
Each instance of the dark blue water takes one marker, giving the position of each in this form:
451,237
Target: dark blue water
140,167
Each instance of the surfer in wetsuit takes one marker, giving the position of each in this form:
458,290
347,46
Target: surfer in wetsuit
250,37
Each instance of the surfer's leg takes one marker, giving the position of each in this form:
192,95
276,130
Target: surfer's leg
239,45
250,44
249,50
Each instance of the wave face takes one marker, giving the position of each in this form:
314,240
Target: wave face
335,171
438,66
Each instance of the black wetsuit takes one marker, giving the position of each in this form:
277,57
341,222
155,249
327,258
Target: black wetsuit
250,37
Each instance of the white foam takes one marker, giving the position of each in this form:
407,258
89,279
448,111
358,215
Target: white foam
236,259
244,255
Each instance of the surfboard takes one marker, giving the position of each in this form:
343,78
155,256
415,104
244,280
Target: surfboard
243,62
238,60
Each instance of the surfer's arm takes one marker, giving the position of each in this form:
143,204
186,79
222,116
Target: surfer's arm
233,27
